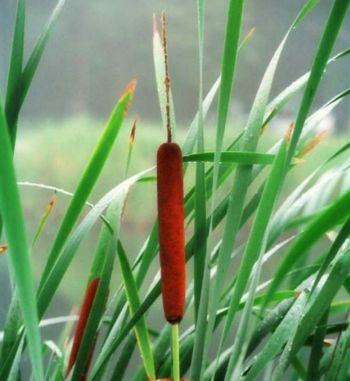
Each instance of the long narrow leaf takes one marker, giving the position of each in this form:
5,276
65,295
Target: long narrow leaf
19,254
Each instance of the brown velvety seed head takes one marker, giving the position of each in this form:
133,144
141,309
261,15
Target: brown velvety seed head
171,230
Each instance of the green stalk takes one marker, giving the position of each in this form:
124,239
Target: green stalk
175,351
13,218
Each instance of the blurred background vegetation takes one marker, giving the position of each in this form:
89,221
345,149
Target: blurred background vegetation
83,72
98,45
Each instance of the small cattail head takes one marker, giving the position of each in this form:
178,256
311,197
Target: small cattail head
82,321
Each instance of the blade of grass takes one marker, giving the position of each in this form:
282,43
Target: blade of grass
15,367
16,61
339,354
43,220
12,327
17,240
125,357
240,157
19,92
89,178
313,373
141,331
200,239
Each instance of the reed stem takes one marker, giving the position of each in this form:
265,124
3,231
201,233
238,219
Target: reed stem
175,350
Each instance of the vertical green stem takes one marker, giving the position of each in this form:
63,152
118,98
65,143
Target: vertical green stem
175,350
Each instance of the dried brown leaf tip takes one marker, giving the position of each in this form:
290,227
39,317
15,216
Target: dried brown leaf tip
314,142
248,36
130,88
251,32
132,133
129,92
263,129
3,248
289,132
52,202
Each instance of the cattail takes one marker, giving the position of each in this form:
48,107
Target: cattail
171,230
171,216
83,318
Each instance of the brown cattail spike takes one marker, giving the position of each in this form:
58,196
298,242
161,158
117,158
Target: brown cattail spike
167,78
171,230
83,318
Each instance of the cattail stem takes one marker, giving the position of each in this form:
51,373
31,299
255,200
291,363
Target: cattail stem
166,79
175,351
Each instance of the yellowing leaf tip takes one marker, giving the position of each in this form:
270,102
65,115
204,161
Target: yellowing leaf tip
3,248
